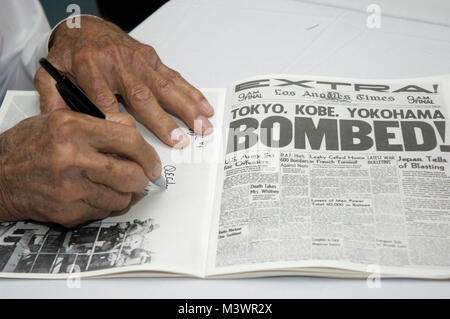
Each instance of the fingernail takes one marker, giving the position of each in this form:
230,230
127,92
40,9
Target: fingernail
179,138
206,108
156,172
205,124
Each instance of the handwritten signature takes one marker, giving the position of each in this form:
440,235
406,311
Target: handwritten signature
169,174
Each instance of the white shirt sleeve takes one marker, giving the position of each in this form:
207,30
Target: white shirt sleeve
24,32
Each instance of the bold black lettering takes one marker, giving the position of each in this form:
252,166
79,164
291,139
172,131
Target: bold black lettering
382,136
326,129
412,88
333,84
251,84
243,129
348,135
297,83
371,87
267,131
410,137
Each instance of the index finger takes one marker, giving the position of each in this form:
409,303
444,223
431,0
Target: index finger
123,140
189,90
50,99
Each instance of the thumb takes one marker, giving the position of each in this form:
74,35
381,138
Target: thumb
50,100
121,118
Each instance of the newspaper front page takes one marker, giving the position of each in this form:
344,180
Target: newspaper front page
336,170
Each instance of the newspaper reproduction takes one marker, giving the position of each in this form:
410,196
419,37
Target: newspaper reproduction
336,170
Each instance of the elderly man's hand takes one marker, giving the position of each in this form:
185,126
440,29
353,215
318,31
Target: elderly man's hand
105,62
58,168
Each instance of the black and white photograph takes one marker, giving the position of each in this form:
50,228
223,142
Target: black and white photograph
28,247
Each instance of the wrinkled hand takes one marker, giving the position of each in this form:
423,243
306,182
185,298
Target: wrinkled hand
57,168
105,61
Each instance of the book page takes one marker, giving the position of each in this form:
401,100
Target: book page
166,233
326,173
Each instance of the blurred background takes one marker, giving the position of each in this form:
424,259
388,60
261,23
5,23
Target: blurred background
126,14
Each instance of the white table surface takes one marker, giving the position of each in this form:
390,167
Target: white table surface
213,43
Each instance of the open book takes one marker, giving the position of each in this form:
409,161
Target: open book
303,175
